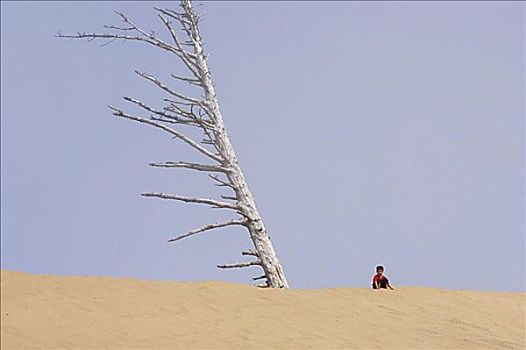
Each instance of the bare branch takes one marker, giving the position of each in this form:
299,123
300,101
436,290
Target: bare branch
172,118
182,18
207,125
188,80
211,202
180,111
119,113
167,89
92,36
207,228
171,121
229,197
106,43
174,108
119,28
158,42
221,182
142,35
178,102
239,265
187,58
211,135
259,278
193,166
249,252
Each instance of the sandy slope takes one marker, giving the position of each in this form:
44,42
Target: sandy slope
101,312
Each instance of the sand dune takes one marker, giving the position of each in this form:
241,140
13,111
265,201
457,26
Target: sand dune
46,311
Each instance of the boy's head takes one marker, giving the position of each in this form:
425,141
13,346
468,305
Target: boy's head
379,269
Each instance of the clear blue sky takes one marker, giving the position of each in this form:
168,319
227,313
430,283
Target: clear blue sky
387,132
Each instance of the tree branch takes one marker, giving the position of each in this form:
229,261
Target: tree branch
229,197
249,252
187,58
239,265
205,124
171,118
167,89
193,166
143,36
188,80
207,228
119,113
211,202
221,182
92,36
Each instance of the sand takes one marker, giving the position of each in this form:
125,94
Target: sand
48,311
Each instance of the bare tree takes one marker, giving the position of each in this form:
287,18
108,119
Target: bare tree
203,113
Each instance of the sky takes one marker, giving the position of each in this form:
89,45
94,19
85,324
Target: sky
369,133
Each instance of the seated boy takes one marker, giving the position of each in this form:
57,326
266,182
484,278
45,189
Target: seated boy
379,280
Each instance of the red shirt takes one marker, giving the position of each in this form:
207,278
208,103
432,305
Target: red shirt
378,277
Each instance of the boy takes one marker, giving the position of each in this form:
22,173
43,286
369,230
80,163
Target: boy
379,280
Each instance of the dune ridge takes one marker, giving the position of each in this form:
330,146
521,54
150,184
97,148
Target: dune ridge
48,311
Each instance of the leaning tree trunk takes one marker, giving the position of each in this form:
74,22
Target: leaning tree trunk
264,250
204,114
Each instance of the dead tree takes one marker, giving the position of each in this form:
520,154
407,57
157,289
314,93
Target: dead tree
203,113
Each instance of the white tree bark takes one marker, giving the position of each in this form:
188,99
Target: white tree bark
204,113
261,239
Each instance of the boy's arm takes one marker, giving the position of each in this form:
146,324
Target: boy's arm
376,284
389,286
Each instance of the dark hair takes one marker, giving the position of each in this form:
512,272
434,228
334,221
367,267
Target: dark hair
379,267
